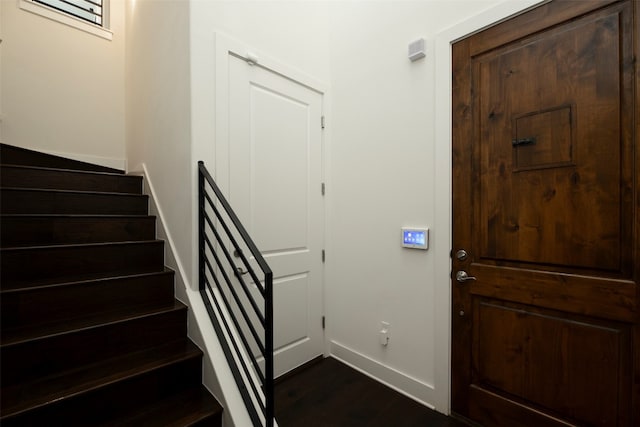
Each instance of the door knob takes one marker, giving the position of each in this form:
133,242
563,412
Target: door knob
462,276
462,255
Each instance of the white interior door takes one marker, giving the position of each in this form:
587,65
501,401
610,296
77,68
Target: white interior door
275,172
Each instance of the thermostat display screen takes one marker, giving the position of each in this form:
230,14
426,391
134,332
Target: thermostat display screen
415,238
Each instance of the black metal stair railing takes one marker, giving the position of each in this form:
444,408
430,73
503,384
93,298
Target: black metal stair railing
238,297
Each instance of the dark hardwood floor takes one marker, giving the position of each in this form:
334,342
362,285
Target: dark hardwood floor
331,394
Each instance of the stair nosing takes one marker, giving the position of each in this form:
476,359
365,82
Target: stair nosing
54,190
133,372
80,282
177,306
11,165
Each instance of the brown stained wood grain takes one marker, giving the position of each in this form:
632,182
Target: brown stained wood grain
104,336
33,307
35,230
632,126
554,215
91,332
551,223
330,393
34,177
559,357
510,413
194,407
38,201
462,236
551,137
538,19
13,155
588,295
59,264
93,401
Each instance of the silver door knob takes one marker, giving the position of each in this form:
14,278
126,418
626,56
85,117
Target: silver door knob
462,276
462,255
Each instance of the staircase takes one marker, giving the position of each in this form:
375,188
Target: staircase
91,334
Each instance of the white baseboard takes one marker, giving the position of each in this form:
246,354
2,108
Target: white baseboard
217,376
413,388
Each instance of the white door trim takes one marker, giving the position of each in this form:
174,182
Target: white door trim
443,196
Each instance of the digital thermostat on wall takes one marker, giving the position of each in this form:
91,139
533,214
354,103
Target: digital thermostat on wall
415,238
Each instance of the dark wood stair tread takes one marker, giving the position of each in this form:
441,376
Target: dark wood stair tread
43,391
41,305
72,245
11,154
18,230
40,265
58,169
43,285
50,201
91,331
9,287
70,215
54,178
182,409
62,191
19,336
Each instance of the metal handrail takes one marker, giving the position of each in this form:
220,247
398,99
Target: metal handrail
229,299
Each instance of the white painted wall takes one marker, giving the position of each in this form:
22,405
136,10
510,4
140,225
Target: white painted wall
384,167
292,32
387,160
62,88
382,177
158,110
170,117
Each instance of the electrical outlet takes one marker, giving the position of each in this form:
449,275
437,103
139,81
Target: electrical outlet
384,333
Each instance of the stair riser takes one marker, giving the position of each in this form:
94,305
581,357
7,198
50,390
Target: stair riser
54,202
12,155
29,266
34,231
193,407
98,406
91,333
67,180
41,306
76,348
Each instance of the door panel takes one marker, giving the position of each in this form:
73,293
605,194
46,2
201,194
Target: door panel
555,200
555,356
275,159
544,179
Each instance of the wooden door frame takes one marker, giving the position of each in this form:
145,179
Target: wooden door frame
444,196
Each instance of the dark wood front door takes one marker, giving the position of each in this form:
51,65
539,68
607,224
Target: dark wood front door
546,206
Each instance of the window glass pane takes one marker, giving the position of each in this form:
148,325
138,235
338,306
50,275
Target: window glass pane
88,10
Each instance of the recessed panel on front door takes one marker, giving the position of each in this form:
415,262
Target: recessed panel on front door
549,186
